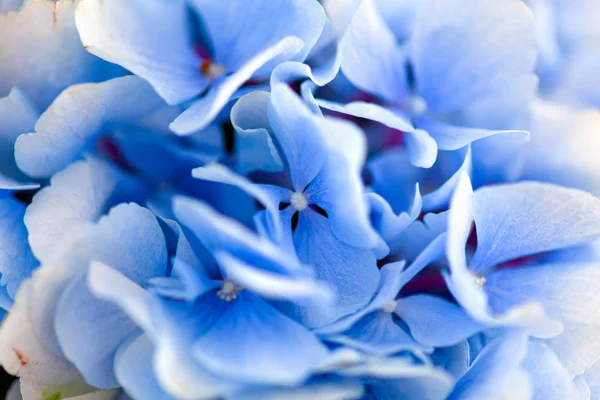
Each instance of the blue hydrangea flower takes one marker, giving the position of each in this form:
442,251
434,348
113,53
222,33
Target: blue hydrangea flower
515,222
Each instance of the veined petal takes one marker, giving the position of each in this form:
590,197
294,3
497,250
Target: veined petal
253,342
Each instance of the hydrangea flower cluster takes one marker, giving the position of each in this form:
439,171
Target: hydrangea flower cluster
300,199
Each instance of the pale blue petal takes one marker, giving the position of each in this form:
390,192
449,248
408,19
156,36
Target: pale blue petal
138,251
422,148
219,173
460,58
76,197
298,135
128,239
449,137
549,378
133,368
338,190
254,148
496,371
572,302
371,57
122,33
77,118
434,321
521,219
251,341
237,38
177,327
203,111
389,286
386,222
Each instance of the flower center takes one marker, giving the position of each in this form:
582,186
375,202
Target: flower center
211,70
417,106
480,280
299,201
229,291
390,307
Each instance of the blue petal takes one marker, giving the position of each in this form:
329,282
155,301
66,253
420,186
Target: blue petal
434,321
549,378
53,217
244,33
350,272
218,173
329,389
133,368
573,302
388,116
454,69
271,285
549,216
252,341
46,29
203,111
390,283
397,378
122,33
16,259
371,57
130,240
386,222
377,334
177,326
218,232
255,149
338,190
77,118
449,137
496,371
17,116
298,134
